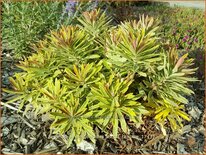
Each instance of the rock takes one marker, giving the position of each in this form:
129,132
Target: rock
5,150
23,141
186,129
201,130
45,117
86,146
50,145
8,55
195,112
181,149
5,131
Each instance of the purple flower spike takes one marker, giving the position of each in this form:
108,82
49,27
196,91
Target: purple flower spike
70,6
195,40
95,3
70,9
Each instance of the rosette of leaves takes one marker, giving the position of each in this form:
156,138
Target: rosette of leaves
72,45
174,114
96,24
166,88
171,77
70,112
31,92
81,78
41,64
23,90
133,46
72,116
112,104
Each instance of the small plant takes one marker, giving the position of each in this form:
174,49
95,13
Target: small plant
114,103
165,88
84,80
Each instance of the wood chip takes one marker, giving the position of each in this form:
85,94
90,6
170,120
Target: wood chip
11,107
8,120
50,150
191,141
153,141
27,123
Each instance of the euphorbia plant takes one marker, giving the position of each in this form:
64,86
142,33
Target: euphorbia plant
83,79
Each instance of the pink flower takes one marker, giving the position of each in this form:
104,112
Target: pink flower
177,45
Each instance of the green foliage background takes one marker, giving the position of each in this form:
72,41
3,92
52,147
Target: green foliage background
25,23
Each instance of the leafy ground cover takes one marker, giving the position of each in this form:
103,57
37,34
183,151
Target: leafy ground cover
27,135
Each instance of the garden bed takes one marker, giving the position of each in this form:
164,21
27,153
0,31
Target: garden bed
24,134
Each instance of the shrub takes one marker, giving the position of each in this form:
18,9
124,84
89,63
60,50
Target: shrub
24,23
84,80
182,28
